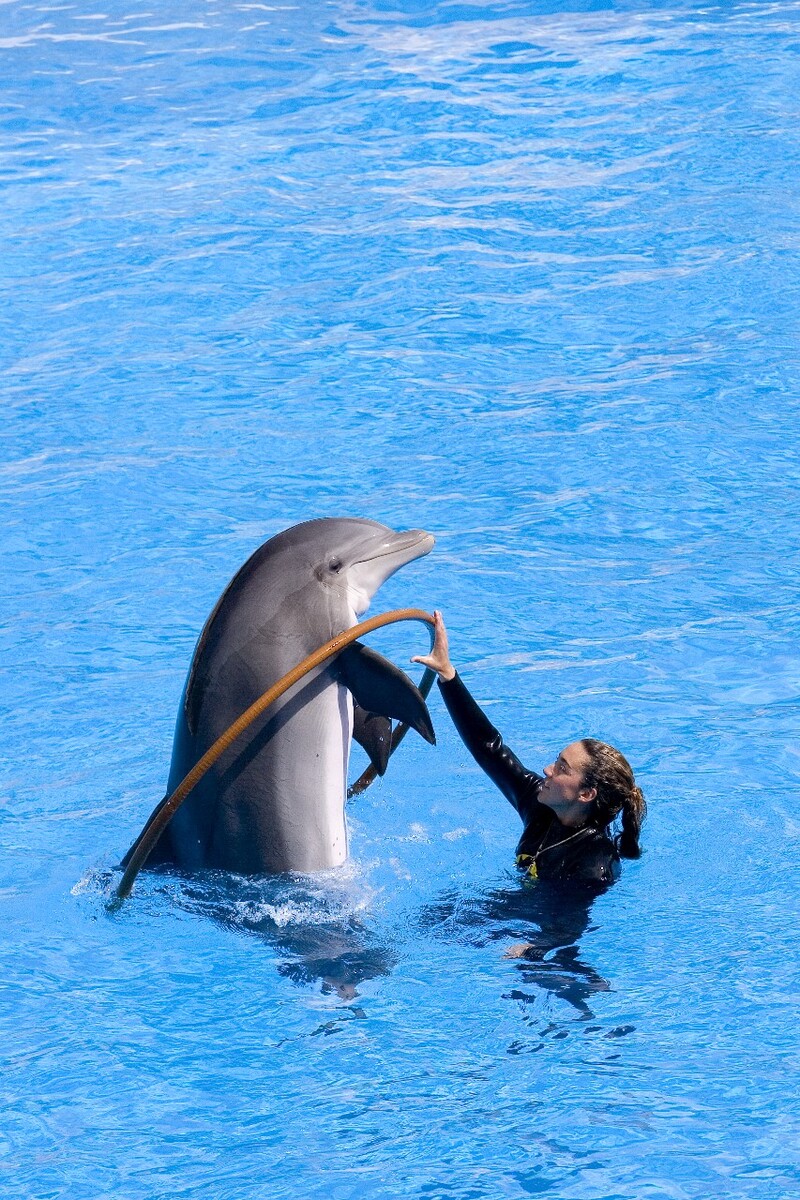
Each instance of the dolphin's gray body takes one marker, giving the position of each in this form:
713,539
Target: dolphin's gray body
275,800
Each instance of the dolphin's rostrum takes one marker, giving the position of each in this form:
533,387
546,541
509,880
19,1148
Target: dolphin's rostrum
275,800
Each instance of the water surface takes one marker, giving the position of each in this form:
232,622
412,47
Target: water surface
524,275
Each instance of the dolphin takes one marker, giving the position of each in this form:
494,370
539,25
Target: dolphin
274,801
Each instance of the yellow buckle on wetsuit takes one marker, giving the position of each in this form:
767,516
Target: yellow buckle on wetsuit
528,864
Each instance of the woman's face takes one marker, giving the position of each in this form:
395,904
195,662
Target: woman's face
565,789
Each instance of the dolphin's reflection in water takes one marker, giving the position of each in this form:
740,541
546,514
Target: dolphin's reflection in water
340,959
540,922
314,926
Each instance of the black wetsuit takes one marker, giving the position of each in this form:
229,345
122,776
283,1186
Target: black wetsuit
547,849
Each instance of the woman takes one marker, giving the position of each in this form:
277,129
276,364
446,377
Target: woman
568,814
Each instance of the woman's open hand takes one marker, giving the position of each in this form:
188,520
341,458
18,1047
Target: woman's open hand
439,658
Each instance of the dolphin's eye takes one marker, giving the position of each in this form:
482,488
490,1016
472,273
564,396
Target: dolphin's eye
335,565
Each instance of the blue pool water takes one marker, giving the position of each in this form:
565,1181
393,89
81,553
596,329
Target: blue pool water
522,274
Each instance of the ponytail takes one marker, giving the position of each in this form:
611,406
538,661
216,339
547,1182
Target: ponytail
617,793
634,811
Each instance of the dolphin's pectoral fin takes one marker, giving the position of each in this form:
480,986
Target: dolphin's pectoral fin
373,732
380,687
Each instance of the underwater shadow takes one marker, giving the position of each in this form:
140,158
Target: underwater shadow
543,922
316,927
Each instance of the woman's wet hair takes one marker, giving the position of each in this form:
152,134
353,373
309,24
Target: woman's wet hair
617,793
